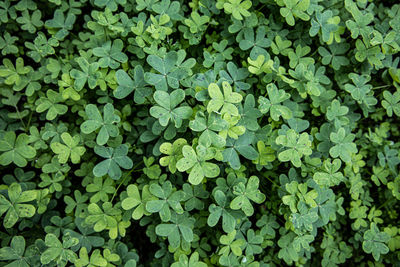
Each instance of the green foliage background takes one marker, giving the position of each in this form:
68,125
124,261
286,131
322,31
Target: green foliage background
199,133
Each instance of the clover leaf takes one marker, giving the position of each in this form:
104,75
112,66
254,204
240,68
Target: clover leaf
245,193
116,158
167,200
242,146
126,85
225,100
167,109
179,229
111,55
16,252
69,149
16,207
136,202
391,103
88,73
237,8
295,8
193,261
221,210
195,163
60,25
272,103
15,149
322,23
169,74
57,251
51,103
298,145
344,146
209,126
174,152
106,217
375,242
105,123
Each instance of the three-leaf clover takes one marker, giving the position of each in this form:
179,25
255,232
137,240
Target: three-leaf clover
167,109
195,163
298,145
173,152
180,228
209,126
193,261
16,252
272,103
167,200
111,55
243,146
245,193
106,123
51,104
15,149
330,175
295,9
57,251
344,146
135,201
116,158
375,242
168,74
106,218
88,73
16,206
322,22
237,8
221,210
126,85
70,148
391,103
59,25
225,100
231,243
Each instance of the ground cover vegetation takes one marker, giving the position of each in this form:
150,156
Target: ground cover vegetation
199,133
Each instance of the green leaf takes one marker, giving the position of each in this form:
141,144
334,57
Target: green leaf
70,148
126,85
375,242
15,208
167,108
111,55
246,193
105,123
225,100
195,163
391,103
116,158
298,145
272,103
344,146
60,25
237,8
15,149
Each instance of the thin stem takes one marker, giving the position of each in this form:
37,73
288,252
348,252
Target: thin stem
19,116
271,181
29,121
383,86
384,204
123,180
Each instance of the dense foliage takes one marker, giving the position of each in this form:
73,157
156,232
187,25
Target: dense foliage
199,133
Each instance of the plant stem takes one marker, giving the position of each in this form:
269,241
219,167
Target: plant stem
123,180
19,116
379,87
